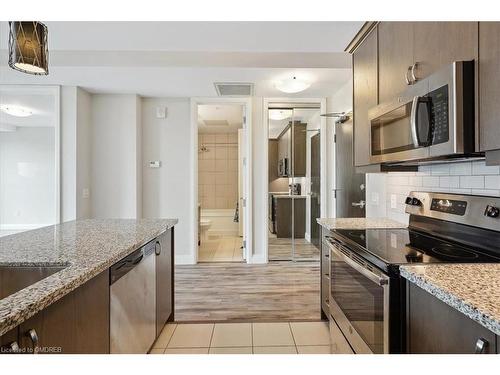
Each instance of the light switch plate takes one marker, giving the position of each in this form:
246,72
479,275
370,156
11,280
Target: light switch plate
85,193
375,199
161,112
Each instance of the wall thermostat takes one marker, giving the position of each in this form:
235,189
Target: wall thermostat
155,164
161,112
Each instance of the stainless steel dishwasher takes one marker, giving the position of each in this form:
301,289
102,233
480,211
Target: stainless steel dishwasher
133,302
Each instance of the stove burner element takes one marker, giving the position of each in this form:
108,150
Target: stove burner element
451,251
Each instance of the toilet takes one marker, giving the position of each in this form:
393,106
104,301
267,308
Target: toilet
205,226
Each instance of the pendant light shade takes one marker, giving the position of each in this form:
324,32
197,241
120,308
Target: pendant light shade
28,48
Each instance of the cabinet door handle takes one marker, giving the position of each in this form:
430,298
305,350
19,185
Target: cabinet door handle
13,347
408,82
157,248
33,336
481,345
414,77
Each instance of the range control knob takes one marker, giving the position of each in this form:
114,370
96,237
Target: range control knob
416,202
409,200
492,211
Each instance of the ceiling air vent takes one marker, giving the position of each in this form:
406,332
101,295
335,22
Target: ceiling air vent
234,88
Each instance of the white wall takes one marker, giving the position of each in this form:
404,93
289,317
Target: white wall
462,178
166,190
83,156
27,178
115,154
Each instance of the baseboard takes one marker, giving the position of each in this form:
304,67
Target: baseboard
185,259
257,259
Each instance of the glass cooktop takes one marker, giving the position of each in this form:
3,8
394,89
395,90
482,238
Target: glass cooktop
401,246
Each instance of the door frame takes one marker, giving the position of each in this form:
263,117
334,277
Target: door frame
324,152
247,224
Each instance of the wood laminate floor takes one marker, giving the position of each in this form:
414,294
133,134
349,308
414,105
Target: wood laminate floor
278,291
281,249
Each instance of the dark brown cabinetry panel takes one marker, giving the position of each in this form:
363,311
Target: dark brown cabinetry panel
77,323
489,85
433,327
164,279
437,44
284,217
9,341
395,55
365,96
299,149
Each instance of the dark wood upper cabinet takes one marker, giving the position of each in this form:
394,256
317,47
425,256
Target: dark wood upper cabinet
436,44
364,63
433,327
489,85
299,149
395,55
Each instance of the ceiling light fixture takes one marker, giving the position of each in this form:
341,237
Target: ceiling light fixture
278,114
28,47
292,85
15,110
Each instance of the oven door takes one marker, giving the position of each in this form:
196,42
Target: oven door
359,300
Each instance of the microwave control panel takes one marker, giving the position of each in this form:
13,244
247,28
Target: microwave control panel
439,115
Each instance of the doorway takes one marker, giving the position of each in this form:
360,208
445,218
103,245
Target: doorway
221,182
294,181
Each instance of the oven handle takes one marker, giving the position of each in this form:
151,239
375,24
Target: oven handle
413,121
377,278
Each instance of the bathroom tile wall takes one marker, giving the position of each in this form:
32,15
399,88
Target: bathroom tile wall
218,170
386,192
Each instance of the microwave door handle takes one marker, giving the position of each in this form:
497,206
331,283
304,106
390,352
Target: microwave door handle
414,121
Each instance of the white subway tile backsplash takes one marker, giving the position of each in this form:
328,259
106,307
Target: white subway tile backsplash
461,169
441,169
430,181
480,168
473,182
459,178
492,182
449,181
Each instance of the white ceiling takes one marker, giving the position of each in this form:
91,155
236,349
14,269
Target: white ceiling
184,59
231,115
40,102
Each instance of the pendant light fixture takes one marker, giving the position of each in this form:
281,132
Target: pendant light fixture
28,48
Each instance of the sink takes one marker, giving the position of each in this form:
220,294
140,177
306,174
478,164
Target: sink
15,278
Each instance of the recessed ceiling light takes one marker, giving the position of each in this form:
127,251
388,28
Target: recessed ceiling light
15,110
292,85
278,114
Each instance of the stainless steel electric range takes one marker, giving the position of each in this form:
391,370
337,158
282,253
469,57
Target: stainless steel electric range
367,294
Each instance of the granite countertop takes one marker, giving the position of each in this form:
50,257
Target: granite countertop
85,247
473,289
359,223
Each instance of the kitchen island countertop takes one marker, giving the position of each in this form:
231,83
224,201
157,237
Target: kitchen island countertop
359,223
472,289
84,247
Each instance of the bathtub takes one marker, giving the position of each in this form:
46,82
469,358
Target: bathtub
221,221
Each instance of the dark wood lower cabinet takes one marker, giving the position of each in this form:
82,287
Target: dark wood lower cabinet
77,323
433,327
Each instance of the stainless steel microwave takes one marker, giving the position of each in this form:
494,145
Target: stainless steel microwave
432,119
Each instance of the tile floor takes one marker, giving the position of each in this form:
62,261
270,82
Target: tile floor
221,249
245,338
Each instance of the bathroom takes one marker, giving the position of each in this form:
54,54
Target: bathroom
220,183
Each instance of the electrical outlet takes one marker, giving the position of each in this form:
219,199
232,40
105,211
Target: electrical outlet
394,201
375,199
85,193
